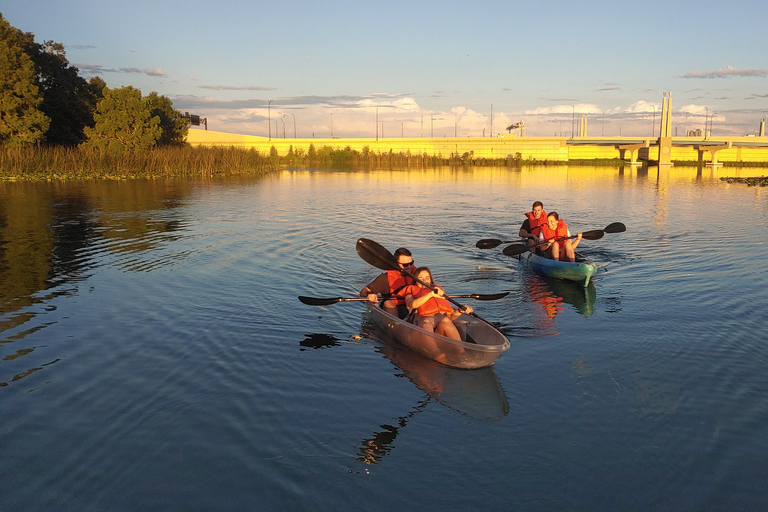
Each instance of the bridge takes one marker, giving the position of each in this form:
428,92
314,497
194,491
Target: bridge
630,149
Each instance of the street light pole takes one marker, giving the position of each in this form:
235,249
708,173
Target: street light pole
269,122
706,116
294,125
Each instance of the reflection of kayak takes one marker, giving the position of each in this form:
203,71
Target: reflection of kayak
581,298
580,271
477,394
488,344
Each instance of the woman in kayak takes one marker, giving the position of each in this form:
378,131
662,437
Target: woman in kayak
555,239
435,312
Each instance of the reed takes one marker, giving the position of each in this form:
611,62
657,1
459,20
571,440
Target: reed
43,163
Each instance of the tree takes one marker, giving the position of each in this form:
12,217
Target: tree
67,98
21,120
173,125
123,122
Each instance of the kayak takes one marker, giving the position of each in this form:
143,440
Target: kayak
580,271
481,343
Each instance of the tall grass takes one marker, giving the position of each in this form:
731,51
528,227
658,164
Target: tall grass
36,163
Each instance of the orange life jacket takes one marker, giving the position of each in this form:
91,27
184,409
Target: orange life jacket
534,224
560,232
397,284
433,305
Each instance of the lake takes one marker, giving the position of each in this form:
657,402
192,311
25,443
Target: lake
154,355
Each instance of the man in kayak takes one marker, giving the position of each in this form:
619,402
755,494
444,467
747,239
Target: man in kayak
390,284
531,227
555,239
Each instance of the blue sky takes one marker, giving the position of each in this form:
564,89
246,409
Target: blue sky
428,67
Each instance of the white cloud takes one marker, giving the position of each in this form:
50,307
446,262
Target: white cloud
726,72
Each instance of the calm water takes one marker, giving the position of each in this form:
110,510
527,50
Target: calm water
153,354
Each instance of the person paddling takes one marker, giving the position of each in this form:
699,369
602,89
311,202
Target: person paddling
531,227
555,241
391,284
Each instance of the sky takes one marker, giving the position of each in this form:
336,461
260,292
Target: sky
425,68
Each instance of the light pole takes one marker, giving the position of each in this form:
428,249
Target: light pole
294,125
422,126
653,128
283,125
377,123
711,122
269,122
573,118
706,116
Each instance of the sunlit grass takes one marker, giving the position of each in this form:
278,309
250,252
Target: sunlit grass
36,163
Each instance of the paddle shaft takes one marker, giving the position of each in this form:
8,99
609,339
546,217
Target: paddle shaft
319,301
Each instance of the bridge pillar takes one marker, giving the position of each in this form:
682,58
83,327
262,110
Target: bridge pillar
633,149
762,128
665,131
713,152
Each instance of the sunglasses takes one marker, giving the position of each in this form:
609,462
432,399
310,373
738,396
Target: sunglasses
408,264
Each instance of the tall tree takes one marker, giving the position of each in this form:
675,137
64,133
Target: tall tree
21,120
123,122
172,123
67,98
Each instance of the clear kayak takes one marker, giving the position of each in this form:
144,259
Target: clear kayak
481,343
580,271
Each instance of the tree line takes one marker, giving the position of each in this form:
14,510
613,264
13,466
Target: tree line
45,102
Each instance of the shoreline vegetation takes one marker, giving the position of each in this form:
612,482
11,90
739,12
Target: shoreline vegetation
33,163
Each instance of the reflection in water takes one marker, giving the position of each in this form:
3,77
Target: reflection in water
319,340
54,236
474,393
551,294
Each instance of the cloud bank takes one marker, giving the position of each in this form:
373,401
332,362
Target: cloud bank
726,72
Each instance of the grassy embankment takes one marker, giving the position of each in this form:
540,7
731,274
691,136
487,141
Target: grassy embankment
47,163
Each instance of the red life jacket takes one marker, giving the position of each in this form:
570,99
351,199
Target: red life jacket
534,224
397,284
560,232
433,305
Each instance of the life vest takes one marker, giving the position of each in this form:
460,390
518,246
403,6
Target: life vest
433,305
534,224
397,284
560,232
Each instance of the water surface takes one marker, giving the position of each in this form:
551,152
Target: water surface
153,354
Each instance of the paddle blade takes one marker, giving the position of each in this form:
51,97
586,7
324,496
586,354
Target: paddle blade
376,254
486,296
616,227
515,249
488,243
315,301
596,234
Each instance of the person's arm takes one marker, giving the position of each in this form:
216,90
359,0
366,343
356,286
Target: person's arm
575,243
378,285
543,243
524,233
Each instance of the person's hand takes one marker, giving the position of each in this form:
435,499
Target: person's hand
372,297
467,309
438,292
578,237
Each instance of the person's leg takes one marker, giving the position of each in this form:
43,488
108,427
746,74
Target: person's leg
570,254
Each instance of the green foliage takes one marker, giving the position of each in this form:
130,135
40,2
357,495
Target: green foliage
68,100
21,119
174,127
124,122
